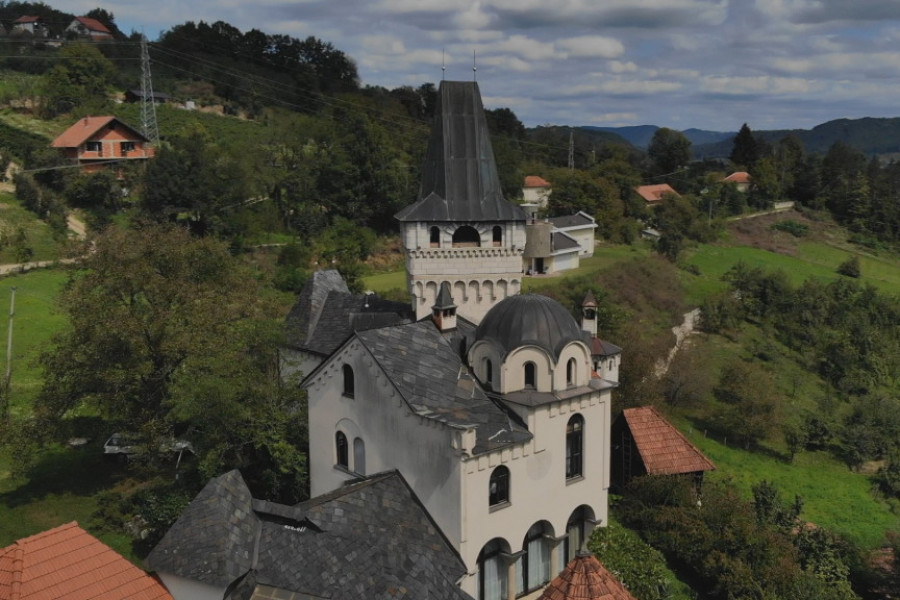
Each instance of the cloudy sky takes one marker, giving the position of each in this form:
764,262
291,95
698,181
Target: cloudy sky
710,64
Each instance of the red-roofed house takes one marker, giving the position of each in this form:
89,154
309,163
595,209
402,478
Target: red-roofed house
30,24
585,578
645,443
655,193
68,562
95,142
535,194
740,179
90,28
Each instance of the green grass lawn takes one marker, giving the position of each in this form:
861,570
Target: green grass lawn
37,234
35,321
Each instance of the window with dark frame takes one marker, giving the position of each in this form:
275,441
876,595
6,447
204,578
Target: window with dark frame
127,147
533,566
492,572
497,235
94,147
498,488
349,383
574,447
530,375
570,372
434,238
341,450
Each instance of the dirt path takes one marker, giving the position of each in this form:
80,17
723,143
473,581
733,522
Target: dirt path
682,332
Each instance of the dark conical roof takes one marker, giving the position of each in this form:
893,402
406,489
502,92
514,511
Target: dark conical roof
459,175
529,320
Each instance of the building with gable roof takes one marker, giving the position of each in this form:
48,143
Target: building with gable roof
740,179
655,193
86,27
99,142
490,401
68,562
31,24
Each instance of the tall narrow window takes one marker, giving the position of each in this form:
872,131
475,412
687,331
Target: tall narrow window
340,445
570,372
435,237
349,383
359,456
530,375
498,490
488,373
492,571
497,235
533,566
574,446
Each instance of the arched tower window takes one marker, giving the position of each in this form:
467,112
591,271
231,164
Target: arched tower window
492,571
341,451
359,456
571,372
497,235
466,236
574,447
349,383
530,375
434,237
488,373
498,488
533,566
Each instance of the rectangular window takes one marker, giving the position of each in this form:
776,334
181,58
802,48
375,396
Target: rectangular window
94,147
127,147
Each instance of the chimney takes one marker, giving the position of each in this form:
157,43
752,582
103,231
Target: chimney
443,313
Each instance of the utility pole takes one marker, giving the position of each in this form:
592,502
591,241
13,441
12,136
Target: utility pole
571,150
4,393
148,106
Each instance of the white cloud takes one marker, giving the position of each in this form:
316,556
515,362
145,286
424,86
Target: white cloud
614,118
763,84
592,46
622,67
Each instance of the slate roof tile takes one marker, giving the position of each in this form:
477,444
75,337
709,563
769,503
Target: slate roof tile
663,449
579,219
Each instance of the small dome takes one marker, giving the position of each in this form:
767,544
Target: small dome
529,320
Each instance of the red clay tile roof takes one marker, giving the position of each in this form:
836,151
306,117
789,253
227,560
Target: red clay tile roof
585,578
84,129
535,181
93,24
662,447
654,193
68,562
27,19
738,177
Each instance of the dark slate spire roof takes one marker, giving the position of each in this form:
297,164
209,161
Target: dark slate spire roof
431,377
459,175
530,320
372,539
444,298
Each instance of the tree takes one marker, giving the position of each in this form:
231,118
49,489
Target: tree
165,331
745,151
78,79
669,150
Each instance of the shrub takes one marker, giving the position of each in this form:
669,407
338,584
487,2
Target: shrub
792,227
850,267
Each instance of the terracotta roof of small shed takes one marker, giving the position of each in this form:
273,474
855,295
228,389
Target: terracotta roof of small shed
93,24
654,193
84,129
738,177
585,578
664,450
68,562
532,181
27,19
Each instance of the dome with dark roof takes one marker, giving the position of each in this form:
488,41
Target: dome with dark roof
529,320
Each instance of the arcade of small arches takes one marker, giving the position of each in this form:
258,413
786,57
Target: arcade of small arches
507,571
465,236
469,292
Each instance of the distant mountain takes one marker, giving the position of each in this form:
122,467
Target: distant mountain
640,135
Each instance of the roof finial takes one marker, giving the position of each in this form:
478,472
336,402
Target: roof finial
474,68
443,64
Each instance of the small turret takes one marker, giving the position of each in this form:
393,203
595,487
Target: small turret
589,314
443,313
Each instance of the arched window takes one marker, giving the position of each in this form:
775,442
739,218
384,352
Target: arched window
466,236
435,237
530,375
349,383
533,566
359,456
575,533
498,488
488,373
492,571
571,372
574,447
497,235
340,446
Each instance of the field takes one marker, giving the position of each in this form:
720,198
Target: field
20,229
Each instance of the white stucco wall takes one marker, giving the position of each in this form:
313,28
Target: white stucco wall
395,438
536,195
188,589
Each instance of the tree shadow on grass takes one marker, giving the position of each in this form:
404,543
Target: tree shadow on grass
713,431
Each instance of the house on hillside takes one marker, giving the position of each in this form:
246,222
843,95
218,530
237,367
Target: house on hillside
655,193
100,142
30,24
86,27
68,562
557,244
645,443
740,179
535,195
136,95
